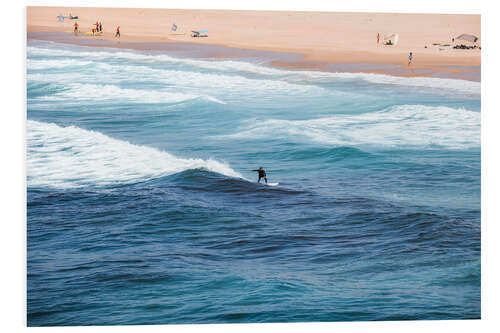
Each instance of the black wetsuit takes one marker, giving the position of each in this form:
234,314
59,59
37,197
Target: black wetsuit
262,174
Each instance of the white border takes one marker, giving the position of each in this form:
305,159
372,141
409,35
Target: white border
13,190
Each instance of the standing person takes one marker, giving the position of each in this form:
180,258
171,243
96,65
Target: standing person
378,37
76,28
100,26
410,58
117,31
262,174
96,26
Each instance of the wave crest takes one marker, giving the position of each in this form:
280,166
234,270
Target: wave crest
69,157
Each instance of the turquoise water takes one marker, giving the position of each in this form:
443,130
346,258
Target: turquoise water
142,208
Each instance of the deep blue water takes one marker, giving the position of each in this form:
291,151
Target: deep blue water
142,208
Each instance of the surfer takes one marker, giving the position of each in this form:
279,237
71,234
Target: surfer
262,174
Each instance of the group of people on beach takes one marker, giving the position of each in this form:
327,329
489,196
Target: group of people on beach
96,29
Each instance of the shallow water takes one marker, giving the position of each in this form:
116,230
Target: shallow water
142,208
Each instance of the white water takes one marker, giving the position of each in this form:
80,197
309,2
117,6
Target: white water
464,86
398,126
68,157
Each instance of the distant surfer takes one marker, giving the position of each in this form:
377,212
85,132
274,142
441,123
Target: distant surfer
262,174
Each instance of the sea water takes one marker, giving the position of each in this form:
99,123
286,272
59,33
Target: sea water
143,209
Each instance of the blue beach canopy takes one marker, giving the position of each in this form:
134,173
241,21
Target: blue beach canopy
203,31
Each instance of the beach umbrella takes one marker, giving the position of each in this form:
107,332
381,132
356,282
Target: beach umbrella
467,37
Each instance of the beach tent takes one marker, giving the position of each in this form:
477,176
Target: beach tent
392,37
199,33
467,37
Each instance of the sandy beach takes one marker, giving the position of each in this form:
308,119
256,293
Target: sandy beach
326,37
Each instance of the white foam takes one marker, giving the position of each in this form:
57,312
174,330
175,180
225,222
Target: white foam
442,84
217,82
70,157
59,63
399,126
77,92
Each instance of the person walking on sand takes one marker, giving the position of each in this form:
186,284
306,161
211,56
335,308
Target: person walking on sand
117,31
378,37
410,58
76,28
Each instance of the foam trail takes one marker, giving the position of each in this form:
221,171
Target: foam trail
399,126
71,157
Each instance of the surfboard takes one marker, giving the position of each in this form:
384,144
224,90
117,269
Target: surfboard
270,184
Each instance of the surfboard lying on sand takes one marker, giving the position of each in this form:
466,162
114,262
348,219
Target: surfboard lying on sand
90,32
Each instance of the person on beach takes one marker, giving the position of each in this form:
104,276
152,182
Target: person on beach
97,26
76,28
410,58
262,174
93,31
378,37
117,31
100,26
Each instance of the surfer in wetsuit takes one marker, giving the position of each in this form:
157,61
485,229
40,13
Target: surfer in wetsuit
262,174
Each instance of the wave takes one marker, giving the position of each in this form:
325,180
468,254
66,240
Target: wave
114,73
463,86
58,63
399,126
206,181
71,157
77,92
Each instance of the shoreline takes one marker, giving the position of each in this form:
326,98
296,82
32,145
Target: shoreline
274,59
301,40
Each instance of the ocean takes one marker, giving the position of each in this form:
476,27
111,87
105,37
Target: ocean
142,207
